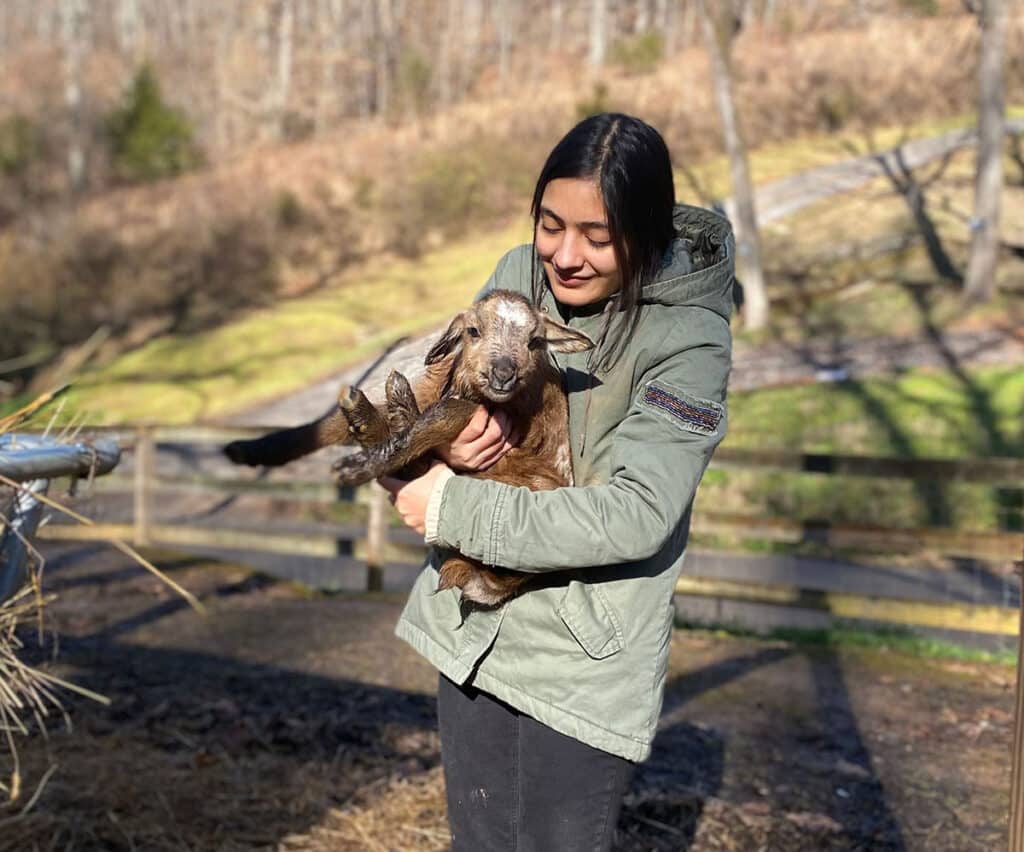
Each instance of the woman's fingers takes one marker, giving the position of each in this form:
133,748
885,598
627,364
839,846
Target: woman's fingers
476,427
485,439
410,498
489,456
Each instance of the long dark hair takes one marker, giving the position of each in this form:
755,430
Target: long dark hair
630,163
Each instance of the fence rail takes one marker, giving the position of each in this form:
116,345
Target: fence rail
167,461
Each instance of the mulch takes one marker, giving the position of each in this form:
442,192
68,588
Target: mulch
288,721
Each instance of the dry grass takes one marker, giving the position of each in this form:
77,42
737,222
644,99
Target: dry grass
395,813
29,694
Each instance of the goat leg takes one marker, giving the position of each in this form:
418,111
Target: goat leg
286,445
402,412
366,424
481,585
441,422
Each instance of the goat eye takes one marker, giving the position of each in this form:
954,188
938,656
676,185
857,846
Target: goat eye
472,331
538,342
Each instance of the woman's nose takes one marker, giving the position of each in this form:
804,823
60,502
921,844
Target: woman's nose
568,255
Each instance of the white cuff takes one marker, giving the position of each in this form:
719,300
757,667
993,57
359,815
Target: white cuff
433,514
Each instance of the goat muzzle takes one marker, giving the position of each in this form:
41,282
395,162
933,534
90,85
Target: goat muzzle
503,375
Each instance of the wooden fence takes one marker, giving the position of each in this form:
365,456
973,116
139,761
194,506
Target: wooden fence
376,543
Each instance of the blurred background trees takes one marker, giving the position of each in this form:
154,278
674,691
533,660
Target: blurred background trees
165,161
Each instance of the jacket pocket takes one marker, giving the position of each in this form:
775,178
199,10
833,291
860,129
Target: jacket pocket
590,619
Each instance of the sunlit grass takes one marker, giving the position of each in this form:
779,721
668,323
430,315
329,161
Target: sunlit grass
780,160
268,352
927,413
884,639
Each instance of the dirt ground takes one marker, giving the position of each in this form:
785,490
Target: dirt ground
288,722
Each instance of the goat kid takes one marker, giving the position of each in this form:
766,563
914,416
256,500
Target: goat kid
495,353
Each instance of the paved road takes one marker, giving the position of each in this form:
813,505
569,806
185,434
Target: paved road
783,197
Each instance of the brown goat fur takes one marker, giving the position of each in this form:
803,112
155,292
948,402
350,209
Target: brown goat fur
495,353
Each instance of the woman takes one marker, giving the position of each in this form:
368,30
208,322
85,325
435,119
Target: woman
546,704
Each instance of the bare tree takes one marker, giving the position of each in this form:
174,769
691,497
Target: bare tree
446,48
129,27
557,23
72,31
642,18
285,30
598,33
981,267
383,59
329,23
720,22
472,28
503,24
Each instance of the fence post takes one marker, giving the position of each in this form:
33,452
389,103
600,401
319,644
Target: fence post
376,538
1016,834
143,476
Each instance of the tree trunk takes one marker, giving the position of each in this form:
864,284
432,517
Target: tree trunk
72,15
661,16
445,49
330,15
503,23
557,24
685,30
598,33
472,29
718,34
127,21
285,31
225,24
980,283
382,60
642,19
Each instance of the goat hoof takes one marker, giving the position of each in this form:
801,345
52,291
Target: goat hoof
351,470
348,397
238,452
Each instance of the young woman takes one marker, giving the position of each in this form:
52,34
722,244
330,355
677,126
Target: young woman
546,703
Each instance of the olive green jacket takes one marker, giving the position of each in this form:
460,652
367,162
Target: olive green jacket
585,650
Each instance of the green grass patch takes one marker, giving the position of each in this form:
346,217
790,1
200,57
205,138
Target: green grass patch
269,352
922,413
885,639
266,353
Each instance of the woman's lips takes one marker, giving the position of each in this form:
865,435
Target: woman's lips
572,281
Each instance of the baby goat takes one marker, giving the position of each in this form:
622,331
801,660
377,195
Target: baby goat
495,353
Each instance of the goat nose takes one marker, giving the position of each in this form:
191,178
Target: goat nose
503,372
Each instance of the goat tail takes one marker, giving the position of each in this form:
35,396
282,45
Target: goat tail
285,445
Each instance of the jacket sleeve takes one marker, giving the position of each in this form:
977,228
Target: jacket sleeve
659,453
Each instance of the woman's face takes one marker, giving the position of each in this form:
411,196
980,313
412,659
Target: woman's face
574,243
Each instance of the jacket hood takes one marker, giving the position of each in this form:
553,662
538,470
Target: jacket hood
699,267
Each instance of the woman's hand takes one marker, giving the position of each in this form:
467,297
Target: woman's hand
411,498
484,440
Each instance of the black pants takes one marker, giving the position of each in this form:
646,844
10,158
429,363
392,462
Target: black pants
515,784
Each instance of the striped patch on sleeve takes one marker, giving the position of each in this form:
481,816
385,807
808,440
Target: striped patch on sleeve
697,415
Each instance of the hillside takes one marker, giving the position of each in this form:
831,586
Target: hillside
270,219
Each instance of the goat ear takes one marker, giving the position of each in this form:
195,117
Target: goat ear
450,341
561,338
